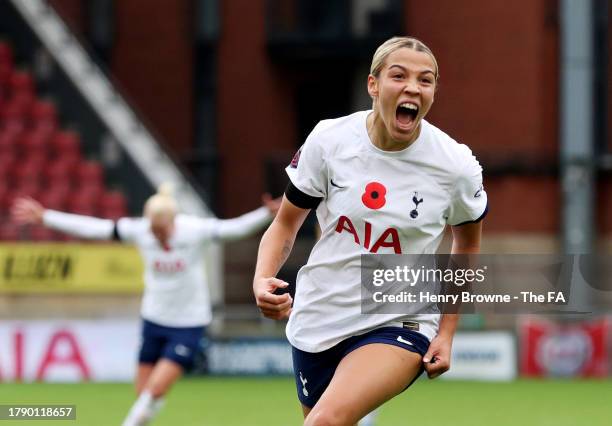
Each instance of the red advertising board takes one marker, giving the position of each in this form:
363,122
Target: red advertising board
550,349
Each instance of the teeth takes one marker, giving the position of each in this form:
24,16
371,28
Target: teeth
409,106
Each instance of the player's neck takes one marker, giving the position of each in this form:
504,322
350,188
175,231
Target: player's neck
380,137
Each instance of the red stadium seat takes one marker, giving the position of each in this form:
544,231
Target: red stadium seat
7,159
6,52
35,142
7,163
9,232
6,63
4,201
24,99
30,188
89,173
85,200
15,110
40,158
44,125
41,233
12,126
8,143
6,70
70,160
5,177
112,205
113,200
55,199
114,214
61,169
43,113
59,186
88,190
66,143
21,82
82,209
28,170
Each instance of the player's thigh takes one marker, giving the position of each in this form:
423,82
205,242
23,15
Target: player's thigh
365,379
306,410
163,376
142,375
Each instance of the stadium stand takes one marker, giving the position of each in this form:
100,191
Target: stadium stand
41,159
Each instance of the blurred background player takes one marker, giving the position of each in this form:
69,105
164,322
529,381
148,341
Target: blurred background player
406,180
175,307
83,87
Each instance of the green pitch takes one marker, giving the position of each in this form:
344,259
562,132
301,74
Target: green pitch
272,401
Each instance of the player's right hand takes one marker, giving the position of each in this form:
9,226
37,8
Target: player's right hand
274,306
26,210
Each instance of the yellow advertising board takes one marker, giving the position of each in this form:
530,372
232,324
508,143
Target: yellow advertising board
69,268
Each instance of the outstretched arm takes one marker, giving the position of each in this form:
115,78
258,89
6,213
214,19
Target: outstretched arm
466,240
29,211
274,249
249,223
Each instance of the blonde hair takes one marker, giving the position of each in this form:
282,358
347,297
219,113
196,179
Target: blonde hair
395,43
161,203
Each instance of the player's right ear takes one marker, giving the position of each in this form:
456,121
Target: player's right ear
372,86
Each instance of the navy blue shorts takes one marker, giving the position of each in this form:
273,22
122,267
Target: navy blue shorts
314,371
179,344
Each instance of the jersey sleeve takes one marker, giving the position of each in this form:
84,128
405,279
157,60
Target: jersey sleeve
469,199
79,225
127,229
242,226
307,171
202,228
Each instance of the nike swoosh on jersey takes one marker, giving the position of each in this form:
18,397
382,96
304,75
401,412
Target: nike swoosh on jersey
402,340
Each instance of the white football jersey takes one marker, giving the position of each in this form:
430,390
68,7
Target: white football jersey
175,292
373,201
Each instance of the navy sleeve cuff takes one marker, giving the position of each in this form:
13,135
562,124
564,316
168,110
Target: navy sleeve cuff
482,216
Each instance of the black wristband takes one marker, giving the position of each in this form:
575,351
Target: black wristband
116,236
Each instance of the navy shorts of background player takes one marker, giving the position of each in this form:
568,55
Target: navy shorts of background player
179,344
314,371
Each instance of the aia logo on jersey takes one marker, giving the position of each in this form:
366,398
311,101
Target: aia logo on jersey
296,159
388,238
169,267
374,195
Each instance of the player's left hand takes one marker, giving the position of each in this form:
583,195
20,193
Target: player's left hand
272,204
437,359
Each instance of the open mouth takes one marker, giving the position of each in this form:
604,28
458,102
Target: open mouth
406,114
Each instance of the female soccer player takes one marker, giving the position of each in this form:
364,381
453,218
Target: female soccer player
381,181
175,307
